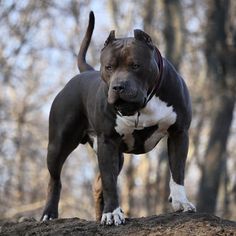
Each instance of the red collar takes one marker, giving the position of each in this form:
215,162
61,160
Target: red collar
157,86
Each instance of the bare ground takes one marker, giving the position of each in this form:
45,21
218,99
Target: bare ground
169,224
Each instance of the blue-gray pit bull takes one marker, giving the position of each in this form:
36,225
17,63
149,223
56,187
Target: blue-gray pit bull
135,99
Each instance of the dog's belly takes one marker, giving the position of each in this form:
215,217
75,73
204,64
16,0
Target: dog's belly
141,134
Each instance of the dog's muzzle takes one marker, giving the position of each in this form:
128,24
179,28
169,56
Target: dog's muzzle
126,100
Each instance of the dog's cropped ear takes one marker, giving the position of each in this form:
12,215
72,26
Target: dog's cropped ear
144,37
110,38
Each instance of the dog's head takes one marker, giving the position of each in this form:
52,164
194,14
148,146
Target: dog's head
129,68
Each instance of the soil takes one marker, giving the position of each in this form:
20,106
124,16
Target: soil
169,224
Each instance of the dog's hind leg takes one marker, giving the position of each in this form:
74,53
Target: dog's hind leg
97,191
98,198
62,141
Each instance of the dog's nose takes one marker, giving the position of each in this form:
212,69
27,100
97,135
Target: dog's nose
119,88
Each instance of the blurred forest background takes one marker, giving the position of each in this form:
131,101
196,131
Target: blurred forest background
38,46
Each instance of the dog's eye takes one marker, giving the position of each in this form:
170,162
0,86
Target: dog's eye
108,67
135,66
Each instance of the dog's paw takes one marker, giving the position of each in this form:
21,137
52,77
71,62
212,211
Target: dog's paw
116,217
47,217
184,206
179,199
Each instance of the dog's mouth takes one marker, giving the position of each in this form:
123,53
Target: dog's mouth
127,108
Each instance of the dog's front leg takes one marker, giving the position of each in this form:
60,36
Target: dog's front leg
177,152
108,160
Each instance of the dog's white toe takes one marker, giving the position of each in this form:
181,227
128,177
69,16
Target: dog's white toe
116,217
45,218
185,206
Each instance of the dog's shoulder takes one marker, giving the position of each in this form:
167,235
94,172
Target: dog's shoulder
175,93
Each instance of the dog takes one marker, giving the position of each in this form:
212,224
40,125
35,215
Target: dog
128,106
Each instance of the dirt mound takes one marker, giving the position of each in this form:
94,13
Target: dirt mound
168,224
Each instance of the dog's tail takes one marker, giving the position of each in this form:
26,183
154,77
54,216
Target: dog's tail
81,58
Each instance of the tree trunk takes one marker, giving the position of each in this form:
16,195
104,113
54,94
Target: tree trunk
174,31
130,185
148,186
166,189
21,159
214,156
149,6
219,57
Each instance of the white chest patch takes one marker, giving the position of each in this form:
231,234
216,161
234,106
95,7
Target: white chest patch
156,112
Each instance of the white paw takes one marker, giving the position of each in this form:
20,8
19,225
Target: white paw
46,217
179,199
116,217
184,206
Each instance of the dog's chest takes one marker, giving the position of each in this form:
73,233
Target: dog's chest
141,134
